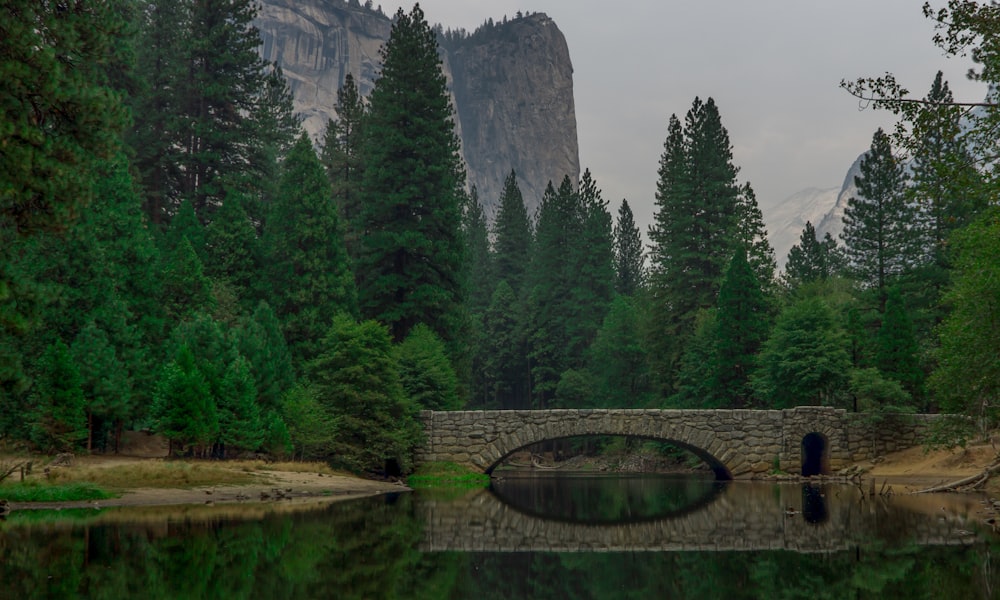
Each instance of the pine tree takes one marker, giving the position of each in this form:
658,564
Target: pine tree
896,350
549,306
155,134
591,259
751,238
696,228
630,262
807,260
260,340
185,290
240,426
410,263
696,381
512,236
231,248
945,182
309,280
218,95
479,265
214,114
104,380
505,361
61,114
341,155
617,361
212,350
743,324
425,371
805,360
59,422
878,223
183,407
357,375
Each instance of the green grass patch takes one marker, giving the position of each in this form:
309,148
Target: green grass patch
33,491
445,474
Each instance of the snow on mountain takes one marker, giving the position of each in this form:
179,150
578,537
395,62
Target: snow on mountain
786,220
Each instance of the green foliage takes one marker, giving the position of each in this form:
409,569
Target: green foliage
967,379
104,381
260,340
183,408
185,288
878,223
58,423
896,351
512,236
277,438
618,361
695,231
505,364
231,251
60,113
479,269
33,491
571,283
743,324
876,393
409,267
630,261
805,360
696,375
240,426
357,378
309,280
343,160
425,371
312,427
443,474
811,259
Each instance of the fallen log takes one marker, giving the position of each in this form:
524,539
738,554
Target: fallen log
971,482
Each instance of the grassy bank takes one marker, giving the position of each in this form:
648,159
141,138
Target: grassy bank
36,491
445,474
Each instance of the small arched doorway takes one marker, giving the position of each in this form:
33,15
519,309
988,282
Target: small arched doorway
814,454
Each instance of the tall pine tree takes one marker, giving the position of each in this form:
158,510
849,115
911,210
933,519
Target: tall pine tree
309,280
409,264
630,261
878,222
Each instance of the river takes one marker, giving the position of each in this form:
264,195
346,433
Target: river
527,537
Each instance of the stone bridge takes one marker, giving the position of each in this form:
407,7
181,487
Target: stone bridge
761,517
734,443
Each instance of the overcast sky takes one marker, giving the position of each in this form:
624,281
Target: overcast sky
773,67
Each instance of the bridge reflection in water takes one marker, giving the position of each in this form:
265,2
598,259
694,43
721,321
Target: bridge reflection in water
739,516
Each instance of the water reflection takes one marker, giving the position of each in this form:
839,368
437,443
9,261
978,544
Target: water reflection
545,516
592,500
414,546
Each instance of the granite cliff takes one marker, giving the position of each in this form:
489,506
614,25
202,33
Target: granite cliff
511,82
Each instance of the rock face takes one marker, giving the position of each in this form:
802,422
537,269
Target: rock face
514,90
512,86
823,208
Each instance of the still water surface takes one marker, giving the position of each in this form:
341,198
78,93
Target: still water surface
552,537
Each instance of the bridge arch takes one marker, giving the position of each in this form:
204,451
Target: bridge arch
508,446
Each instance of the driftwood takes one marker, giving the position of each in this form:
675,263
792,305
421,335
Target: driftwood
7,469
971,482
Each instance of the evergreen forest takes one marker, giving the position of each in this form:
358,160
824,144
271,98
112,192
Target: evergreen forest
177,255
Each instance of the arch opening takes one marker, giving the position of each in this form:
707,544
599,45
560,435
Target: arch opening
815,454
719,470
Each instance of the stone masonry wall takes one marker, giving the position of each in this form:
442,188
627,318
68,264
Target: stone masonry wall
737,443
